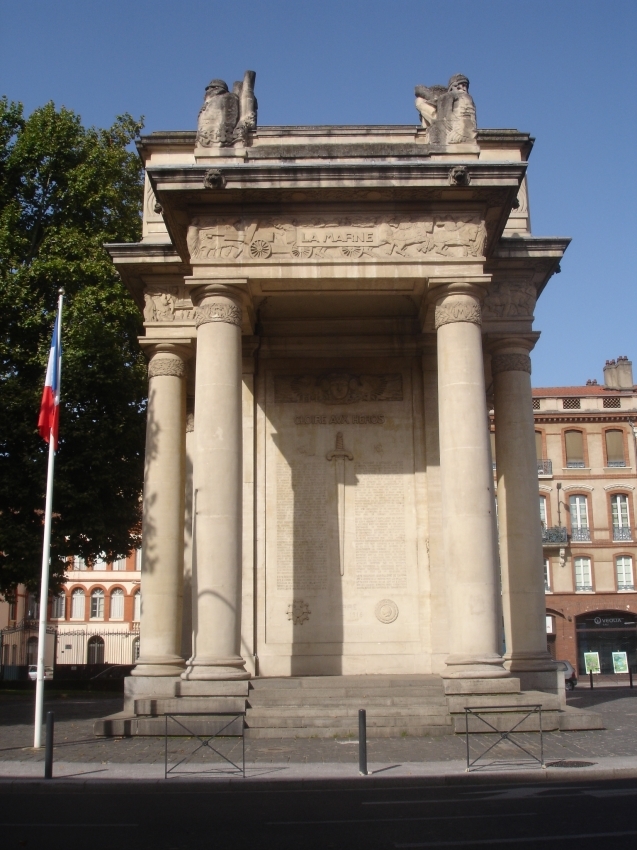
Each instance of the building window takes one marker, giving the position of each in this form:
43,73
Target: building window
615,448
79,563
32,651
119,564
579,519
117,604
571,403
583,575
138,559
621,524
543,512
135,650
58,607
13,608
611,402
33,607
95,650
97,604
547,576
492,436
574,442
137,607
624,568
550,630
100,563
77,604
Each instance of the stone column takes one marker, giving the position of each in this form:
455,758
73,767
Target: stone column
466,487
218,487
519,513
163,513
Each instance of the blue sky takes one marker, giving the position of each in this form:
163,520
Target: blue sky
564,71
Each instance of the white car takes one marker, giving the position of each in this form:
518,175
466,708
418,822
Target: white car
570,676
33,672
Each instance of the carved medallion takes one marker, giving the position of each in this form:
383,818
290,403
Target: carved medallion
386,611
298,612
337,388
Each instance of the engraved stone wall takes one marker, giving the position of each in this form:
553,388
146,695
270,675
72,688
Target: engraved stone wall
380,525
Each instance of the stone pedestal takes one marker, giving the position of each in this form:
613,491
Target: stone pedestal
218,487
162,528
523,599
467,487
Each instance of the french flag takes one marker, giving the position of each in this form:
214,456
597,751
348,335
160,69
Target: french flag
50,407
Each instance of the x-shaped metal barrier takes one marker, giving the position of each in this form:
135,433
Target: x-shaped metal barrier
234,727
506,735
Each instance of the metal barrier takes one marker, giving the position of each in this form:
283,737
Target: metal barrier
506,735
233,727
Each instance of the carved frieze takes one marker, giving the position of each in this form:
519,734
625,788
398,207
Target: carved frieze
511,299
174,367
337,388
458,309
352,237
510,363
160,305
218,311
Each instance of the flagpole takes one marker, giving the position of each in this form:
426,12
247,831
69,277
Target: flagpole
46,554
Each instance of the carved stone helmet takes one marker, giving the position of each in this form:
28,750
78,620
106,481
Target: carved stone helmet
217,84
458,78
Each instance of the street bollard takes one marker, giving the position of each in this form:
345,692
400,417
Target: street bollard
48,746
591,678
630,677
362,742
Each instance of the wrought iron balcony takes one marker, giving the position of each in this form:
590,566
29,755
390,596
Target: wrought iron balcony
544,466
622,586
580,535
575,464
617,463
583,588
555,536
622,533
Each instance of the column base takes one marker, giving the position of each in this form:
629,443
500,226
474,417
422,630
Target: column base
475,667
209,669
159,666
533,662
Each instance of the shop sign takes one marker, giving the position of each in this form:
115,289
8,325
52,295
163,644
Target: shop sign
608,620
620,662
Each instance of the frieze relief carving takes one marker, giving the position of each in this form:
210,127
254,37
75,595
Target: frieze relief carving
218,311
352,237
457,310
513,299
337,388
159,306
510,363
174,367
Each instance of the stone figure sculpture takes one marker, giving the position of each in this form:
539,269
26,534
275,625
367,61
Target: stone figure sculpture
227,116
447,114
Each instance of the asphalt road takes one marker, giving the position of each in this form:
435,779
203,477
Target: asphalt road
590,816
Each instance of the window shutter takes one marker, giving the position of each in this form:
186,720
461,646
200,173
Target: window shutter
574,446
538,445
615,446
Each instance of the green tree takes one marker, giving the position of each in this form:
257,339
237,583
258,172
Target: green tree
65,190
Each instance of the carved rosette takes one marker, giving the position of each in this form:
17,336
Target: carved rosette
510,363
218,311
174,367
458,309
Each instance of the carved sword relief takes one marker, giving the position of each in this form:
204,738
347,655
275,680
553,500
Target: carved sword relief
339,455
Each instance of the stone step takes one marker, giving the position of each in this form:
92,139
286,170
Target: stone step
384,681
179,705
351,732
339,721
338,710
126,725
361,700
314,694
508,685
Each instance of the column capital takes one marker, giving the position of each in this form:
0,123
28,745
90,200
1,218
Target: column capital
166,358
511,354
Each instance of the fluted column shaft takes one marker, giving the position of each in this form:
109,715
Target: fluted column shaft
523,600
218,487
466,488
163,514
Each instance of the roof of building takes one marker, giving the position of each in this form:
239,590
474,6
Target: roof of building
591,390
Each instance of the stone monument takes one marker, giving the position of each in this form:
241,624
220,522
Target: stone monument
329,313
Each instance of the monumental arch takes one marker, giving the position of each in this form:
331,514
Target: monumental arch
329,314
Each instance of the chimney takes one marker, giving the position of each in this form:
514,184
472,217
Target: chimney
624,373
610,375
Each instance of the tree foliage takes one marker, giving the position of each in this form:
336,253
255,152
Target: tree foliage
65,190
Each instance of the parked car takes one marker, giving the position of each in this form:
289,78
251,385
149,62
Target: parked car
33,672
570,676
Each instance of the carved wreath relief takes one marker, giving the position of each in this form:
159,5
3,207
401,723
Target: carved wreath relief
337,388
340,237
298,612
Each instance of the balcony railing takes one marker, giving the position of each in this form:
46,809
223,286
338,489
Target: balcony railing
580,535
622,533
617,463
555,536
583,588
544,466
624,586
575,464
